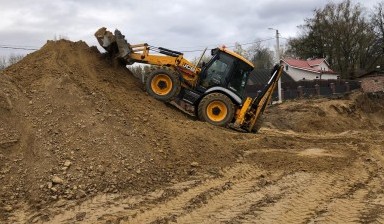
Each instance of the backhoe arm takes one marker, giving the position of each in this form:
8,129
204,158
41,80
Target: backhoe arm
252,109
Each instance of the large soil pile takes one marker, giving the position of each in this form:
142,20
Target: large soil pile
73,124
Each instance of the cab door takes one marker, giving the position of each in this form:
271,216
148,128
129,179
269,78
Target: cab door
217,72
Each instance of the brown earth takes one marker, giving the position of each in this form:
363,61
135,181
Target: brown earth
80,141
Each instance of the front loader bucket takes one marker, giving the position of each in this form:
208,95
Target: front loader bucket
106,39
124,47
113,44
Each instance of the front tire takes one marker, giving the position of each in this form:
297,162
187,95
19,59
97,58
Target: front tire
217,109
163,84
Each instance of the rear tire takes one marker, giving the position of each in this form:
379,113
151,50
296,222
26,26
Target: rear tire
163,84
217,109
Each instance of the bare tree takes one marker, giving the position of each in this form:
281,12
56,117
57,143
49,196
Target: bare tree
204,59
14,58
3,62
377,19
342,34
60,37
240,50
260,56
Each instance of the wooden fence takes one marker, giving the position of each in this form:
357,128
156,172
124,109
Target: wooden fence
307,89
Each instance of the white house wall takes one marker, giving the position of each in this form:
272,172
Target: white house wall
328,76
322,66
298,74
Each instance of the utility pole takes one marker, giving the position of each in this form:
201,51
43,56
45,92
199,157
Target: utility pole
278,62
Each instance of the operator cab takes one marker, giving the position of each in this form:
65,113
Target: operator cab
226,69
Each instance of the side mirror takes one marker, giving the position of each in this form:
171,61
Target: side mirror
203,64
214,51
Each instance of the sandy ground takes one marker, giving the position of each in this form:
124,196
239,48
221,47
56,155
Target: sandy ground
81,142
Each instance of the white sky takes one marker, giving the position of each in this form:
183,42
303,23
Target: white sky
176,24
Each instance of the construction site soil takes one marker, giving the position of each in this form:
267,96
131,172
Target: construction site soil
81,142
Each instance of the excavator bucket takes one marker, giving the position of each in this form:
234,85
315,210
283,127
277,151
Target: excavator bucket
252,109
114,44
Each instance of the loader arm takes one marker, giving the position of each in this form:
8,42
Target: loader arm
116,45
252,109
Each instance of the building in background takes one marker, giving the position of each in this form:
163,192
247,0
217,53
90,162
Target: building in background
308,69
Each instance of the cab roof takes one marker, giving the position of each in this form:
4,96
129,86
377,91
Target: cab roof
236,55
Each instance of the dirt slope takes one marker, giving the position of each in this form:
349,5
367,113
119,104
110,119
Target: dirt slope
81,141
66,104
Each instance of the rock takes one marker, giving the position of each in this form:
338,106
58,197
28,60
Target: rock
8,208
36,219
67,163
194,164
49,185
81,194
57,180
61,203
80,216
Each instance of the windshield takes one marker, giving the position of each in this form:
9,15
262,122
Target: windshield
217,72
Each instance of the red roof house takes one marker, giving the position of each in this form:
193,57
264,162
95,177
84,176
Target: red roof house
308,69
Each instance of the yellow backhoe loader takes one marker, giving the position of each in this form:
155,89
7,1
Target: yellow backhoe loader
215,91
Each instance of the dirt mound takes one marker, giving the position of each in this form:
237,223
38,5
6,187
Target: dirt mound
356,111
74,124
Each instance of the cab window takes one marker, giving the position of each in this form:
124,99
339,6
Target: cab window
217,73
239,78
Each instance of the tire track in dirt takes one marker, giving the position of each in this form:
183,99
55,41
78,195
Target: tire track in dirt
348,205
346,209
240,178
159,205
238,199
355,205
301,203
375,195
107,207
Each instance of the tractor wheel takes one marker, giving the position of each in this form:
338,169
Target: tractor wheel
217,109
163,84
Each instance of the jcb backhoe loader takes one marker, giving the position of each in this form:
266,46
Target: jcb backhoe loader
215,90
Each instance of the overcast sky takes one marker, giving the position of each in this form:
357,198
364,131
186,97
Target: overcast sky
176,24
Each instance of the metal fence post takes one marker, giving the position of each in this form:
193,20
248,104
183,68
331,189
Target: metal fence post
333,87
300,91
348,88
317,88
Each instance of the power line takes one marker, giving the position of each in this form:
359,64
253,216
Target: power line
18,48
31,48
230,46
